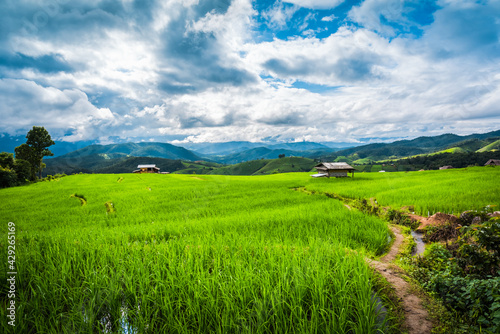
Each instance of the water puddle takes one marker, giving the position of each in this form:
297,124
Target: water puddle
419,249
107,326
380,311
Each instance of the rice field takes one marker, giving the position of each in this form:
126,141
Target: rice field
452,191
209,254
188,254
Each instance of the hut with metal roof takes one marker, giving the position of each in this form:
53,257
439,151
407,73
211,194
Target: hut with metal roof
333,169
147,169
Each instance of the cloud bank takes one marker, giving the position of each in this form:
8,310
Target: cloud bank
221,70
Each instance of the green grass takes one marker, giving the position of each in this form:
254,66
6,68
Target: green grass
188,254
451,191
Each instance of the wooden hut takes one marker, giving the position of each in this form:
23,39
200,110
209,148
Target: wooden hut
147,169
333,169
492,162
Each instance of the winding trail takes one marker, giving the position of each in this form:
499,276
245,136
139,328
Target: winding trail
416,316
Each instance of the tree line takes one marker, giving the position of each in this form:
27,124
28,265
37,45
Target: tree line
28,160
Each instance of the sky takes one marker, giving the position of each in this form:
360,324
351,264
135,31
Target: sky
223,70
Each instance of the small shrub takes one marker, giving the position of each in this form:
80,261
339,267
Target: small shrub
443,232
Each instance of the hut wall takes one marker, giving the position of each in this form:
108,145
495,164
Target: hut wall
337,173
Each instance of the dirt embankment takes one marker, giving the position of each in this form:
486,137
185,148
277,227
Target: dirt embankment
416,316
436,219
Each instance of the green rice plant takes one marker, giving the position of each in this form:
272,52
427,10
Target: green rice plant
451,191
226,255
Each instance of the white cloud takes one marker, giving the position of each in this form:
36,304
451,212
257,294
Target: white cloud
24,103
316,4
183,71
278,15
370,12
329,18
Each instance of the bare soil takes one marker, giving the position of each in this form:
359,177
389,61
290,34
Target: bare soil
436,219
416,316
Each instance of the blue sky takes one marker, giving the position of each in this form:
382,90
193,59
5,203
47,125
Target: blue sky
221,70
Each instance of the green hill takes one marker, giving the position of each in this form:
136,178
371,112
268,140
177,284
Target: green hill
267,166
287,165
417,147
255,154
97,163
490,147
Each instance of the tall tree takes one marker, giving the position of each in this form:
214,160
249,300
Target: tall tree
36,148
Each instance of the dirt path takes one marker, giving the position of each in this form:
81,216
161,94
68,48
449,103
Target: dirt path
416,316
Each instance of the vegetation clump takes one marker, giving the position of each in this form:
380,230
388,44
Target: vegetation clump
465,272
110,208
82,198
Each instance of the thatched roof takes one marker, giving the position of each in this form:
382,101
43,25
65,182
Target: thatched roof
492,162
334,165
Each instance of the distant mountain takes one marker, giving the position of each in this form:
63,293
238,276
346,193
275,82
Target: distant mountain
158,150
220,148
9,143
254,154
299,146
340,145
232,147
417,146
115,158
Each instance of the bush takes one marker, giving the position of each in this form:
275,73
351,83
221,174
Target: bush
399,218
8,177
466,274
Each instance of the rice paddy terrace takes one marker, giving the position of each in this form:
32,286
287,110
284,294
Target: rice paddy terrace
221,254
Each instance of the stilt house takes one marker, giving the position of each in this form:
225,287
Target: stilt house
333,169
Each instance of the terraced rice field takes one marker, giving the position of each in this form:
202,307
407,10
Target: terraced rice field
195,254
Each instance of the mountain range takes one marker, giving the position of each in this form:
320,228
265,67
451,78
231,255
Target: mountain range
211,157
